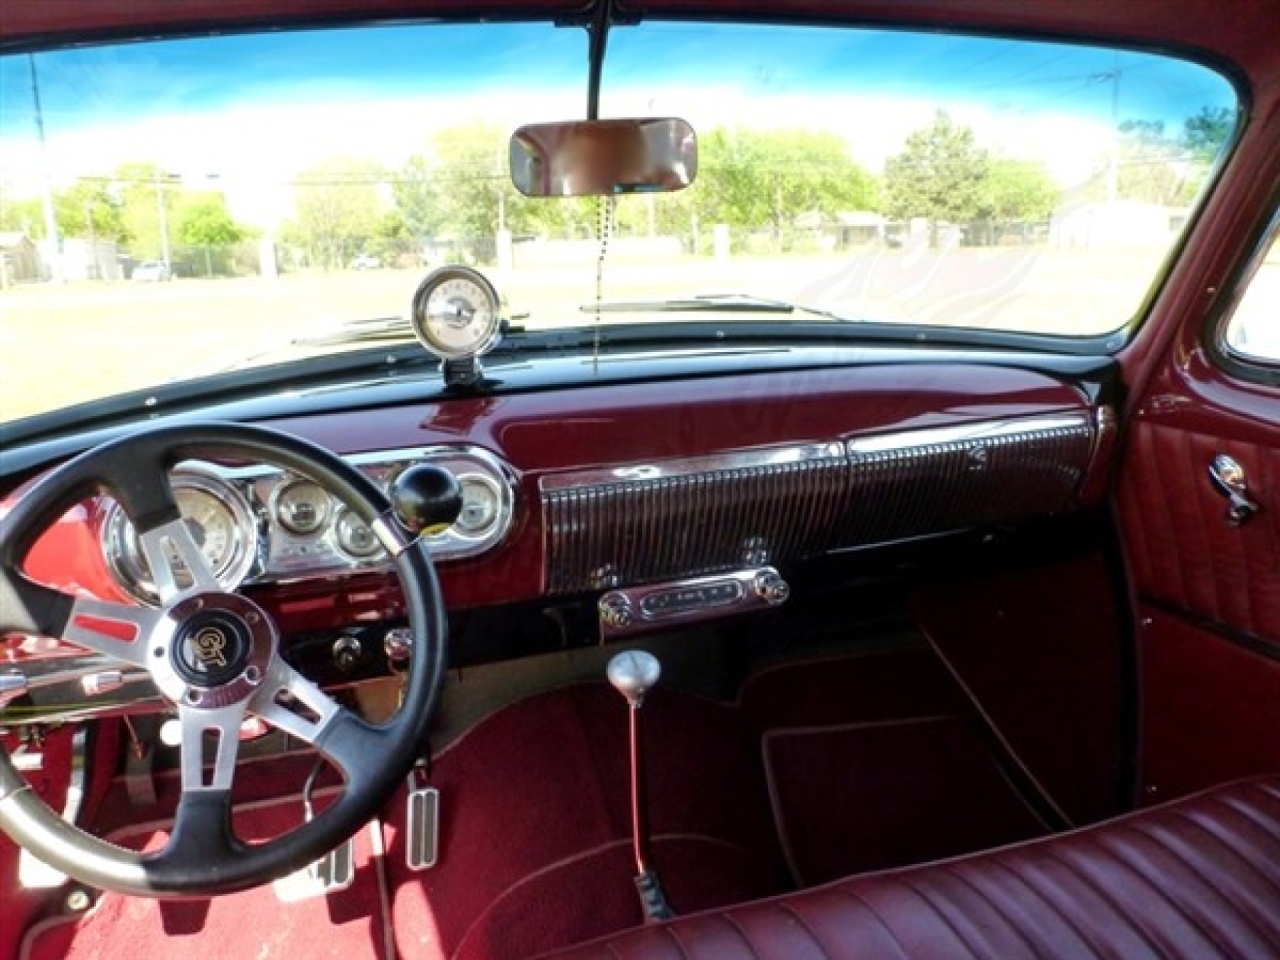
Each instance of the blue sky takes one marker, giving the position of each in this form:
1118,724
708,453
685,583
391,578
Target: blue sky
253,112
190,75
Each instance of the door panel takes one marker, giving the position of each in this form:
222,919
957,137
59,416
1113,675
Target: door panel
1183,550
1207,592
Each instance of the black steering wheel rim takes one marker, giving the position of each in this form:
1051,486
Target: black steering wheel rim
374,759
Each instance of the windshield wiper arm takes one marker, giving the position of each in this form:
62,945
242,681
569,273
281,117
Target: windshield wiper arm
712,303
372,330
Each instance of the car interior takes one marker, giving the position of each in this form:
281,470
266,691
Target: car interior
601,598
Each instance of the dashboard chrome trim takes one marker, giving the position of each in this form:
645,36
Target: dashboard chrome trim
967,433
269,552
739,460
635,524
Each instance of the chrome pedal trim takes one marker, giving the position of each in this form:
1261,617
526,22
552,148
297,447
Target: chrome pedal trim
422,833
332,873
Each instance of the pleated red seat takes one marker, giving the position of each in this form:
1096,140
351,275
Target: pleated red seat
1196,878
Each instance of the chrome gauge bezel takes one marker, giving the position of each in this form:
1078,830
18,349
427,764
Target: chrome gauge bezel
279,513
471,481
342,541
122,550
481,341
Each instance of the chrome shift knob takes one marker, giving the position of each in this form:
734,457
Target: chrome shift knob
633,673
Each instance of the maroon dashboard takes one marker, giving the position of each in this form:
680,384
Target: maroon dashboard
615,485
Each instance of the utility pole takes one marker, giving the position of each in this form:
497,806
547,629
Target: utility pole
164,223
1112,76
50,221
91,268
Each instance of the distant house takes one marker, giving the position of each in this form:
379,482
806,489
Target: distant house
859,227
19,259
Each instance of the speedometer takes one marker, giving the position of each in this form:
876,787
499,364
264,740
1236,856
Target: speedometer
219,520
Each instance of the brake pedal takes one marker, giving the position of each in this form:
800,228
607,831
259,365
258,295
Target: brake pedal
332,873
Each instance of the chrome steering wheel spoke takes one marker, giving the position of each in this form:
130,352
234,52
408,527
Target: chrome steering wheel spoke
292,703
117,630
171,552
209,735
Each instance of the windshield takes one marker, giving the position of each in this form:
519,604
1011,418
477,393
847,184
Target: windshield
175,208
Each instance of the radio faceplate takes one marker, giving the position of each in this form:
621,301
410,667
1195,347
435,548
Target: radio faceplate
649,607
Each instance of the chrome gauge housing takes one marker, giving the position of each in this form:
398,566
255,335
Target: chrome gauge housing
455,313
488,494
263,525
220,519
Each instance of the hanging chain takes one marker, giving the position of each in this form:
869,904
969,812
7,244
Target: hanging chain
604,231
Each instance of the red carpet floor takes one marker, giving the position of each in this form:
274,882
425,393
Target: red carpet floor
253,925
534,830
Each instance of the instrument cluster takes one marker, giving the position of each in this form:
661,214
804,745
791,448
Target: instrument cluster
263,525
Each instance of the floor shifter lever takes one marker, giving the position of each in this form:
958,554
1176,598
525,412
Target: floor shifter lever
633,673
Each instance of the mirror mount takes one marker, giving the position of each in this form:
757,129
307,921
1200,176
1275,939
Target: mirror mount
598,41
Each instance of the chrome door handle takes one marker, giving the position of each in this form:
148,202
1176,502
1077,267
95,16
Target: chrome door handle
1229,480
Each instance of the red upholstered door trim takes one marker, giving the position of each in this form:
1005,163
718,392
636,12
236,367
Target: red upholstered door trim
1207,592
1183,551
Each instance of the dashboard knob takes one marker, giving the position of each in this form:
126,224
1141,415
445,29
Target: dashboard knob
398,646
615,611
427,498
347,652
771,588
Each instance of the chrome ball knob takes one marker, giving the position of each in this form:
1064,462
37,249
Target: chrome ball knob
633,674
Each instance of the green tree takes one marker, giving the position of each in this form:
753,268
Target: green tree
1155,166
337,208
90,210
941,174
204,222
751,179
143,191
1204,133
1151,165
414,191
1018,190
473,194
22,216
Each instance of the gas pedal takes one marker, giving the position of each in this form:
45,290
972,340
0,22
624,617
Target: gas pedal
422,819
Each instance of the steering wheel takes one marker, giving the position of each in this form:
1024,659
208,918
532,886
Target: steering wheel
215,655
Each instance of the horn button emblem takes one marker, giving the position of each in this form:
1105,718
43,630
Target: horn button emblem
212,648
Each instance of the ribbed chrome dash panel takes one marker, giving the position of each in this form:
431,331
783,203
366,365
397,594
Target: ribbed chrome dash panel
642,523
932,481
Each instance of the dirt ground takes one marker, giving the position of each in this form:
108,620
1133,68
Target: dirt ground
66,344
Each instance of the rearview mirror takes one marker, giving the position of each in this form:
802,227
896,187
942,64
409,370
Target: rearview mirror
585,158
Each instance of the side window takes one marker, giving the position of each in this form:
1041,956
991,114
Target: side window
1253,332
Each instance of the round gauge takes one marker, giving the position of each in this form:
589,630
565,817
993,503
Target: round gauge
301,507
219,520
481,505
354,536
455,313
